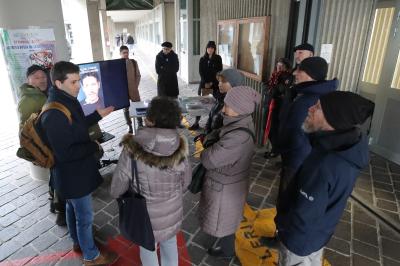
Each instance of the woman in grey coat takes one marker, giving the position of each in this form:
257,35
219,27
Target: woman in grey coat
164,174
228,165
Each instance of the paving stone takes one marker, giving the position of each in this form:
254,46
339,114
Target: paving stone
394,168
386,205
196,254
106,232
383,178
190,223
346,216
336,258
98,205
343,231
34,232
204,240
254,200
365,233
383,186
361,216
362,261
8,233
6,209
259,190
112,209
339,245
381,194
9,248
63,246
28,187
8,219
27,209
101,218
212,261
59,231
6,189
25,223
44,241
22,200
388,233
8,198
70,260
365,250
24,255
390,262
390,249
364,185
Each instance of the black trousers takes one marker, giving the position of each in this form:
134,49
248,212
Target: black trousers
129,120
227,244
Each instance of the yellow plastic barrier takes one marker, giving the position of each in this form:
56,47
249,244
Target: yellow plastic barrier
257,224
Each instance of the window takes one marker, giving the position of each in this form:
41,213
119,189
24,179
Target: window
183,26
378,45
226,34
396,75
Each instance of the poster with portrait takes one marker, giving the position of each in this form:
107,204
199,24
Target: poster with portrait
90,95
24,47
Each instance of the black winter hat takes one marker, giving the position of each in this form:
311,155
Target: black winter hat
166,44
316,67
304,46
345,110
33,68
211,44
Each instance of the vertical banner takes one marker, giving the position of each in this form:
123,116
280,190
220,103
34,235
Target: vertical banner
25,47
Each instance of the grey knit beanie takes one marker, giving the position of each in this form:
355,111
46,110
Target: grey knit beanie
234,77
242,99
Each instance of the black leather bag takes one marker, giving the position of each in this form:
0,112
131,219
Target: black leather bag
134,220
198,174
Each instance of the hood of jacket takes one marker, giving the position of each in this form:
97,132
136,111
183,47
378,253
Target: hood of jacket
351,145
157,147
28,90
317,87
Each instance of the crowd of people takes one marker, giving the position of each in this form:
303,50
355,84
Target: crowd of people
312,126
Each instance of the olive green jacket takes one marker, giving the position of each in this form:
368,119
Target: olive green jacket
31,100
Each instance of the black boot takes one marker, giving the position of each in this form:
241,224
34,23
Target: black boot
61,219
218,253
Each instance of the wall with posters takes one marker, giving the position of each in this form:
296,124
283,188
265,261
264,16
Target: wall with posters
19,14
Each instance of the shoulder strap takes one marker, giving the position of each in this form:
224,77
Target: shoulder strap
245,129
135,175
57,106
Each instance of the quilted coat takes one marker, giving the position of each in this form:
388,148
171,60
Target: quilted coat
164,174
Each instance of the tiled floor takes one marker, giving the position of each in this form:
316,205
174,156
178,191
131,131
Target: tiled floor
28,234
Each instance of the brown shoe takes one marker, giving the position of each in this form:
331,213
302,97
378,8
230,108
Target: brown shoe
105,258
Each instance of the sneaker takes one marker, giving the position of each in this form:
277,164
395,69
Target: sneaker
195,126
105,258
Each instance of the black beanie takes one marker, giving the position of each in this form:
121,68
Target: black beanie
166,44
304,46
316,67
33,68
211,44
345,110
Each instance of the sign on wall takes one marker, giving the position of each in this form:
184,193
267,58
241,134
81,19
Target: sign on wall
25,47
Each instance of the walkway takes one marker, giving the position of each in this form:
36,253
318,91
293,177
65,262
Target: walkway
28,234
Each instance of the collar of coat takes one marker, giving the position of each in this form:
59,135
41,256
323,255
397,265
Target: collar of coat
137,152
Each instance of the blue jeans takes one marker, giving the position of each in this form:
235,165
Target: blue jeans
168,252
79,222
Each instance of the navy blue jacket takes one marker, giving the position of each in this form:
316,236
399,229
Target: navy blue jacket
316,197
75,173
293,143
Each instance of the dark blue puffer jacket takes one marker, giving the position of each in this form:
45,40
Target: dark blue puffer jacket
315,199
293,143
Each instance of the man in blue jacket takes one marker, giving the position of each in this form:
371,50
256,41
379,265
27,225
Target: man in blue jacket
293,143
75,172
316,197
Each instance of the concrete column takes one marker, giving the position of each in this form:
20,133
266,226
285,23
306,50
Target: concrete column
95,29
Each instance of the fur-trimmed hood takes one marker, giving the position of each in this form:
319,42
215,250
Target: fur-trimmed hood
157,147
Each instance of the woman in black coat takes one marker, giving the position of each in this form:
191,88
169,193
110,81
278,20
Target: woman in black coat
210,64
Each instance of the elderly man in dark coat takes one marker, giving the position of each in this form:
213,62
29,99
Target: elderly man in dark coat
167,65
316,197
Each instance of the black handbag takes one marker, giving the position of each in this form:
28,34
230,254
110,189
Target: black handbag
134,220
198,174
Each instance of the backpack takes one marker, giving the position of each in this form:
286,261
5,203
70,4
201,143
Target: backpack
33,149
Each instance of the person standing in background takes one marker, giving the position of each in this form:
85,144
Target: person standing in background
210,64
133,74
167,65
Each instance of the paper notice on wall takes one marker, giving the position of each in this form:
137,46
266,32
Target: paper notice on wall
25,47
326,52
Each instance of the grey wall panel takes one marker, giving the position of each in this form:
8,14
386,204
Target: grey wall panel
213,10
345,24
